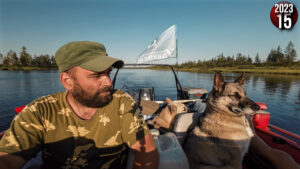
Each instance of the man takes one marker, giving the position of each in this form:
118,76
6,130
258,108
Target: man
87,126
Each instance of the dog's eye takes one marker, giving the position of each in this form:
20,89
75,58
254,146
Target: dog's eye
237,95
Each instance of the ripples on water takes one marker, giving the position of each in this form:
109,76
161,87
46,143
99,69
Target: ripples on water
280,92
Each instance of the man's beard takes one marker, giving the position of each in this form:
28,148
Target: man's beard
92,101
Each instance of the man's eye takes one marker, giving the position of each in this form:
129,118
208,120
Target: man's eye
95,75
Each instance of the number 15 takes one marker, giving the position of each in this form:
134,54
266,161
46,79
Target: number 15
287,21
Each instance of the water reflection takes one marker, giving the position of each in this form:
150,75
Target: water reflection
271,85
278,83
27,81
298,101
254,80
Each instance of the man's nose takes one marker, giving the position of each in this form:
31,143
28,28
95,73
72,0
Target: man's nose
107,81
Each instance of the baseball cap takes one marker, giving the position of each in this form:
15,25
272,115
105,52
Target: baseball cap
86,54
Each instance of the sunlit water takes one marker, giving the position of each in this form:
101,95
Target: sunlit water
281,93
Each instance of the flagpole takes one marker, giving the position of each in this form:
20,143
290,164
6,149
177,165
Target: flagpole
176,48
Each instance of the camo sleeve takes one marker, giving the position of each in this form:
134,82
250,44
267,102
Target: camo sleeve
24,136
133,126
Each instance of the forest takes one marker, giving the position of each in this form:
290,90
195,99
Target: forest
278,60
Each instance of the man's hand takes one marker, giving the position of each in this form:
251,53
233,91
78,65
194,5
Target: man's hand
279,159
146,154
10,161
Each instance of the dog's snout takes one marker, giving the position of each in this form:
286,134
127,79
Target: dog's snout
255,107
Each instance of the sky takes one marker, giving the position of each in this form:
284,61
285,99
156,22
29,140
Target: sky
205,28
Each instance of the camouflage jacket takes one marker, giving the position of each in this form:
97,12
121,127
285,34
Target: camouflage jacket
48,124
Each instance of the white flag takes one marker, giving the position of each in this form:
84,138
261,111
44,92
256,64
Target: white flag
161,48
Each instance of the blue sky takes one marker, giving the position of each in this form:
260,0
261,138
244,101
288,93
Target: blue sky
126,27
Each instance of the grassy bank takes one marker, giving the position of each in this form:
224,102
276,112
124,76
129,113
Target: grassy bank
293,70
25,68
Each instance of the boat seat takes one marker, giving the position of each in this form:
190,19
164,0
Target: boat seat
183,124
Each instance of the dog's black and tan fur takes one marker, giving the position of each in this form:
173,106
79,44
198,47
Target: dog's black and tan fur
223,134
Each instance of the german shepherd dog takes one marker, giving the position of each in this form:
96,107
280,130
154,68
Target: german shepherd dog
222,137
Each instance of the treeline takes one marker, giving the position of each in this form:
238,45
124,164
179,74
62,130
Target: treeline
276,57
25,59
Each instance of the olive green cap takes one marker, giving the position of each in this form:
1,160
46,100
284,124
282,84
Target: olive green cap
88,55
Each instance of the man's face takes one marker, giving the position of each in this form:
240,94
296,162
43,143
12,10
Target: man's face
91,89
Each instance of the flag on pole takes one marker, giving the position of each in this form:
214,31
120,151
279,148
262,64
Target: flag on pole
162,47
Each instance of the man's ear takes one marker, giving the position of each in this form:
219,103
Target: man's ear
240,80
66,80
218,82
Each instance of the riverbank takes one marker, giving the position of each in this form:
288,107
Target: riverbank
292,70
25,68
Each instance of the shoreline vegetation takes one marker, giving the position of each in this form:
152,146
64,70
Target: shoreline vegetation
24,68
278,61
283,70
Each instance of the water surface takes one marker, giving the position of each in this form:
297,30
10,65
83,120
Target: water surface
281,93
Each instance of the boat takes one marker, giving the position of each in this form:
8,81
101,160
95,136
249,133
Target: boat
169,142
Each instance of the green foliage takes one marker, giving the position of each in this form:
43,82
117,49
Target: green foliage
25,61
42,61
1,58
25,58
257,59
278,58
275,58
11,58
290,53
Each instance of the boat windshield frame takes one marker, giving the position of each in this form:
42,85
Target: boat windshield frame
180,93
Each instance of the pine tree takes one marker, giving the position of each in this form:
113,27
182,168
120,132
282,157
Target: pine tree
276,56
279,55
1,59
25,58
272,56
257,59
11,58
249,60
53,62
290,53
240,59
42,61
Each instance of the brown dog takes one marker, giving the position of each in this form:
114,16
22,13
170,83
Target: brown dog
166,117
223,134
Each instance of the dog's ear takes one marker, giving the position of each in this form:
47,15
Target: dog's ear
240,80
218,82
173,109
168,100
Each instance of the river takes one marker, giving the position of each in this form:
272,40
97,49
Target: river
281,93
